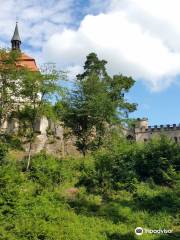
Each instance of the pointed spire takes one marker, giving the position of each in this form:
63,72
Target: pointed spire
16,41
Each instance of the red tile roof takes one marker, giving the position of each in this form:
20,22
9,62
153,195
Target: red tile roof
27,61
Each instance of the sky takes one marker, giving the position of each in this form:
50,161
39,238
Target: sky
138,38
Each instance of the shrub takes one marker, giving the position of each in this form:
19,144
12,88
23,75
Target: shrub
156,160
121,164
46,170
113,169
12,141
3,152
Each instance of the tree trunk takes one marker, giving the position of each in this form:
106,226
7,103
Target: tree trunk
29,155
31,140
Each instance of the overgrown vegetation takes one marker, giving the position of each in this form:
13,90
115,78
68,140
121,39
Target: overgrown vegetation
120,164
103,196
118,186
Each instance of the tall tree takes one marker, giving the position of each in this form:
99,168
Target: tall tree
27,94
37,91
95,102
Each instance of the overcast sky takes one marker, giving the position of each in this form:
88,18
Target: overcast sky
138,38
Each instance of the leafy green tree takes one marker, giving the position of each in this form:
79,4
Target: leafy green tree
95,103
37,91
27,94
9,83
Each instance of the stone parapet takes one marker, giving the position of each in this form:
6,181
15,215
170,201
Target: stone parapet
166,127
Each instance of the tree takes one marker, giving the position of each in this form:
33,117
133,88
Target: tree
37,91
25,93
95,102
9,83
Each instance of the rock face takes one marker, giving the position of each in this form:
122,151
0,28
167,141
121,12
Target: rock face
49,137
41,125
39,143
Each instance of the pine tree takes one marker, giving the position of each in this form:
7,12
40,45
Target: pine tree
96,101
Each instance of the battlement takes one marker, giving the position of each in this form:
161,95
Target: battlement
142,123
144,132
142,126
167,127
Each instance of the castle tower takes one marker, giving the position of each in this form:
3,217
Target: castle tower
141,129
16,41
24,60
141,124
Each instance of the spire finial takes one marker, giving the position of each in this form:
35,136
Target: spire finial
16,41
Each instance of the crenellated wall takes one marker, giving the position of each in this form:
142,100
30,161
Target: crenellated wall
145,132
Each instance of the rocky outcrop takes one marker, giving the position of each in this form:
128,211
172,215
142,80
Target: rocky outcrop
49,137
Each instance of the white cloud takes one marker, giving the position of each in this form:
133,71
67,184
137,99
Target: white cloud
38,20
72,71
137,37
140,38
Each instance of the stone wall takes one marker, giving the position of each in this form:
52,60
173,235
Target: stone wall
50,136
143,132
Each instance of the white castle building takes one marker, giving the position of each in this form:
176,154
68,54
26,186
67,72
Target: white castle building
143,132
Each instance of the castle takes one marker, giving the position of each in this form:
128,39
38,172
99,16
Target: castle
140,133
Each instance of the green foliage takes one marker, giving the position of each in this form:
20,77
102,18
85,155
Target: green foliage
104,196
96,101
12,141
38,88
113,168
158,159
46,170
36,204
9,86
3,152
27,94
120,164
